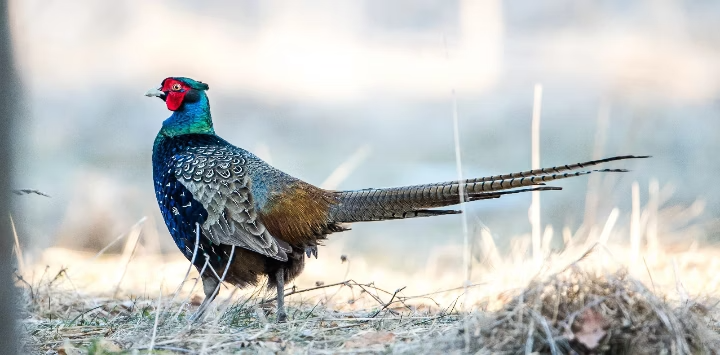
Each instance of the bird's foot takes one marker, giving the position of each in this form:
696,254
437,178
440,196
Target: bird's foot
198,316
281,316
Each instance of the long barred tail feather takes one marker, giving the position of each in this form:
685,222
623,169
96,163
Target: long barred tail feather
387,215
416,201
559,169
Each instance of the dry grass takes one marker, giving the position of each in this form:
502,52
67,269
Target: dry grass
578,311
591,304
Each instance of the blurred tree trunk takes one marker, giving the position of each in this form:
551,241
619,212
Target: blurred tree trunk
8,99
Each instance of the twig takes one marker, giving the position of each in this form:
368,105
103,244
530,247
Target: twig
351,282
650,275
129,253
32,293
443,291
202,271
169,348
609,224
18,251
347,269
363,319
57,276
581,258
203,348
375,297
83,313
444,313
389,302
192,263
348,283
530,337
453,305
121,236
433,319
157,319
30,191
372,285
548,333
312,310
221,279
343,326
344,283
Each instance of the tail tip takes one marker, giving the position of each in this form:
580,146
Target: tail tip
612,171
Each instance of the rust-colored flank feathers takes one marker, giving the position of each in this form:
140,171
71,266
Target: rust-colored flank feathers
299,215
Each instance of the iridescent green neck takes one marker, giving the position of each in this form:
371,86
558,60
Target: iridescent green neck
192,117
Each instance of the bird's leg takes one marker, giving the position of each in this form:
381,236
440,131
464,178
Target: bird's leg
280,277
210,285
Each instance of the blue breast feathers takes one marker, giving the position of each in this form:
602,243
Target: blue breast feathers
180,211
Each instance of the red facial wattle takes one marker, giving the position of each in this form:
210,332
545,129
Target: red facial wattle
174,98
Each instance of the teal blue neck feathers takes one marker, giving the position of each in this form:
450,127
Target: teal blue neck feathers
192,117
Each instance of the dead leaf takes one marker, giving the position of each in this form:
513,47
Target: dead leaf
590,329
368,339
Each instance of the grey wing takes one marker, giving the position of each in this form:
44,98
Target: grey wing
217,179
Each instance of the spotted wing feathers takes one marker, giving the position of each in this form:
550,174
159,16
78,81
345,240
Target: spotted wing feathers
217,179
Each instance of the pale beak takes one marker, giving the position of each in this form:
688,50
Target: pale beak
155,93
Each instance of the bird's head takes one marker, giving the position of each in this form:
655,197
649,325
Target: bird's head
191,109
176,91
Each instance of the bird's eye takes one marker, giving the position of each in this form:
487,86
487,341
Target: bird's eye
176,87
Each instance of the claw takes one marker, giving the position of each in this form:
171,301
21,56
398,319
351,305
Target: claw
311,251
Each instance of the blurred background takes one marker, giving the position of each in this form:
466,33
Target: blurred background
369,84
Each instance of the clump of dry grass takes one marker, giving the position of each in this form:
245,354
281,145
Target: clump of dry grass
586,312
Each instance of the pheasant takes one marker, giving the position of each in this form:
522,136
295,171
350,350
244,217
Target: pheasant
237,219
